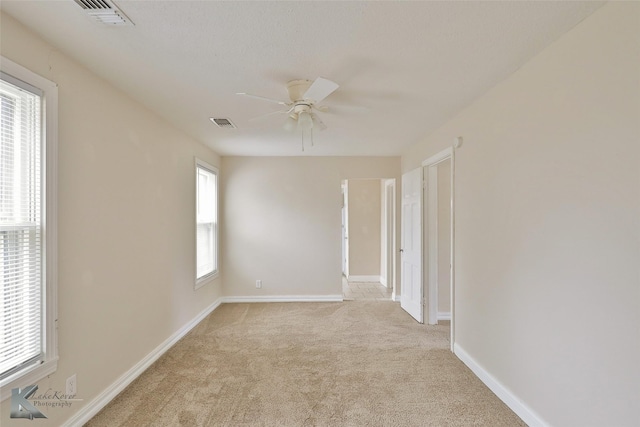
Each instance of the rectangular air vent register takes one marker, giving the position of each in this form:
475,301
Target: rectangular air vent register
223,123
104,12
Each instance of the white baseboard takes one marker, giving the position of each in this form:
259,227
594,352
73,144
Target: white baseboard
100,401
284,298
353,278
383,281
527,414
444,315
396,298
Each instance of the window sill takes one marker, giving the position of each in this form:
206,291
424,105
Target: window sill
29,376
206,279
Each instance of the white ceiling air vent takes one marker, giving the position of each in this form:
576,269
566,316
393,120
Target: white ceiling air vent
104,12
223,123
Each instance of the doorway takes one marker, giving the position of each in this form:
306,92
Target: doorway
439,232
369,237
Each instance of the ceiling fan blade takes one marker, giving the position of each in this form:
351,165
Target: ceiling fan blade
342,109
270,114
262,98
320,89
317,123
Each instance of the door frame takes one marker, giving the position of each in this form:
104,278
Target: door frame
430,173
345,228
389,201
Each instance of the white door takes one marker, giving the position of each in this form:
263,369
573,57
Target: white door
411,273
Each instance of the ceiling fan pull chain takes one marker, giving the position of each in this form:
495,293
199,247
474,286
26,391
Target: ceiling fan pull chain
311,132
302,134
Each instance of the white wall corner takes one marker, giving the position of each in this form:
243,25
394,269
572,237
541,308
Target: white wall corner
528,415
92,408
383,281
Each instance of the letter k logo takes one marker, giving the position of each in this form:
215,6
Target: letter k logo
21,407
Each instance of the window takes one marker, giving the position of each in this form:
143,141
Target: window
206,222
28,116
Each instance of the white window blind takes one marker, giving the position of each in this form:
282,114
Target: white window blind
21,227
206,220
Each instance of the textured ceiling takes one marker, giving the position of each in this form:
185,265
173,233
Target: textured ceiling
412,64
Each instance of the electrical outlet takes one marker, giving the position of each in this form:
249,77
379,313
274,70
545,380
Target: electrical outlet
71,385
258,284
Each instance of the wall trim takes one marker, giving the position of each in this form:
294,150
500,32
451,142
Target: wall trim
283,298
444,315
107,395
528,415
383,281
354,278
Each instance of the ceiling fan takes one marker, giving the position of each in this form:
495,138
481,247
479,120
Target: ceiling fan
303,105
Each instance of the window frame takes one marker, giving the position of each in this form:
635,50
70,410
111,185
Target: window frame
46,365
201,281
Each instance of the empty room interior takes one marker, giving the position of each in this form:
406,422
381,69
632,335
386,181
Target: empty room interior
320,213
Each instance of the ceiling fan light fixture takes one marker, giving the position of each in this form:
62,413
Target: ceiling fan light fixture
305,123
291,124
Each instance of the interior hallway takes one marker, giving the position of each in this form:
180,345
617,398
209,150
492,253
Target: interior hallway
365,291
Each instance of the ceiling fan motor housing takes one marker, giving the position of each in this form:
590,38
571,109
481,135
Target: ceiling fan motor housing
301,107
297,89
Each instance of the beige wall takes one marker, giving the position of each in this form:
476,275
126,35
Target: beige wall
547,225
282,221
364,227
126,226
444,236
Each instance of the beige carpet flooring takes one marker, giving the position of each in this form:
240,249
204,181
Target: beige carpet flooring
357,363
365,291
